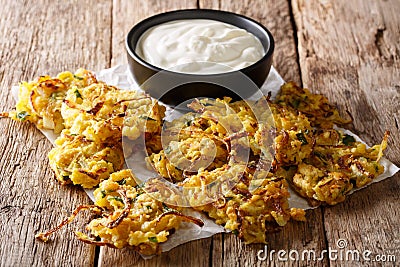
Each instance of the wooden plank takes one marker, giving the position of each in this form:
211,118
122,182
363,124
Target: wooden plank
37,39
125,15
349,50
228,250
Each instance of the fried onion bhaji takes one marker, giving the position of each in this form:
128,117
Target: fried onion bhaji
293,141
104,113
40,101
334,169
128,217
336,163
95,116
80,161
316,107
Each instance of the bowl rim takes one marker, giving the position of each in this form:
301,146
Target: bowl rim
136,57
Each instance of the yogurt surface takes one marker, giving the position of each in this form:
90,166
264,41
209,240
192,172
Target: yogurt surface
199,46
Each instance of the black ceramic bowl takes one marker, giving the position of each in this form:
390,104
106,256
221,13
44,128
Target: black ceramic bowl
174,87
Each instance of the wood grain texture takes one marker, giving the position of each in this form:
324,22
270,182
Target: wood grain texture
35,40
127,13
348,51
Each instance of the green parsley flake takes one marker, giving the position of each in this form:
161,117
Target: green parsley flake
77,94
302,138
348,140
153,239
22,115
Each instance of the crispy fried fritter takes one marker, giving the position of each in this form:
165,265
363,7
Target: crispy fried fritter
337,166
95,116
316,107
40,101
244,211
80,161
129,217
147,222
207,139
225,189
190,154
103,113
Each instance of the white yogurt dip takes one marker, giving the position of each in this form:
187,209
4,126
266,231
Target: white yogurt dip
199,46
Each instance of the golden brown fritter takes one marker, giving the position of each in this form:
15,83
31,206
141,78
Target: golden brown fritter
316,107
244,210
80,161
39,101
128,217
95,117
336,166
104,113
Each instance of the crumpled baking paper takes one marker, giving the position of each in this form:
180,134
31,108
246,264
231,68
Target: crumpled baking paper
120,76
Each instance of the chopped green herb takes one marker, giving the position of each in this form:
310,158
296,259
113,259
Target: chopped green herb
296,103
306,131
136,197
376,167
302,138
57,96
146,118
286,168
77,94
166,208
77,77
22,115
188,123
122,182
167,150
153,239
149,207
103,193
65,177
116,199
138,186
348,140
235,232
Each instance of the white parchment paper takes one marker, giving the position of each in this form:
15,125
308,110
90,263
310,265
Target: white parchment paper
120,76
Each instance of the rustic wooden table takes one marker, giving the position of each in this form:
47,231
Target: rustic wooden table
347,50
